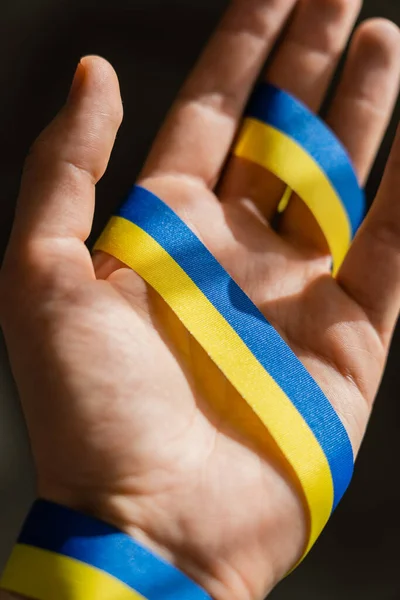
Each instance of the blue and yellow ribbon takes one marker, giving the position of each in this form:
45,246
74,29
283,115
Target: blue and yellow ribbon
41,575
150,238
66,555
63,554
282,135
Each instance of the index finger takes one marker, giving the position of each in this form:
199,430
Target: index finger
200,129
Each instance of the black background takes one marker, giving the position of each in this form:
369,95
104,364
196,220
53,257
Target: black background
152,45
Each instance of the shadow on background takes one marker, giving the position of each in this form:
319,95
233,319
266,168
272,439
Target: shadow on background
152,44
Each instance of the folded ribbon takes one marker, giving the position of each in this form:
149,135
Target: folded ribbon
282,135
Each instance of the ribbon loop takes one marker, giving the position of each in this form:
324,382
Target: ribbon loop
282,135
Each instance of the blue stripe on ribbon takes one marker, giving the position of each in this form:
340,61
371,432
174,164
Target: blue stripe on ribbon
64,531
290,116
162,224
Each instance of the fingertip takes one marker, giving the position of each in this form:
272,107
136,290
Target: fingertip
381,26
99,68
96,79
379,40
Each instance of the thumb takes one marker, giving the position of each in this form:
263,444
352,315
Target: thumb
56,202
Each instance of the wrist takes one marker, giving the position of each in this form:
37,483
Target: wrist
61,549
179,543
125,514
169,542
62,552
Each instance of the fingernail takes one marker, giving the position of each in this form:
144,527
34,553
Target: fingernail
78,80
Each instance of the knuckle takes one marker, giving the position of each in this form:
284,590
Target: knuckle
37,153
111,114
24,269
118,114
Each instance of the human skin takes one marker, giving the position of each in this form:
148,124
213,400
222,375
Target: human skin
121,424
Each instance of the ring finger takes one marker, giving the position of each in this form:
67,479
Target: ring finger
359,115
303,66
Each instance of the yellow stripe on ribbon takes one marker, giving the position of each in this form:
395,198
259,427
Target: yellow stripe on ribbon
282,156
43,575
295,439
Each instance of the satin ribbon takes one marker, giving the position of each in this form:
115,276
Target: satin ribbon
150,238
64,555
282,135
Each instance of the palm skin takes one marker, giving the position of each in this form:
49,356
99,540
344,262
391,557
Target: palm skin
131,435
123,421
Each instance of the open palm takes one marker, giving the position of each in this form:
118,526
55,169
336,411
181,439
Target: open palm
128,417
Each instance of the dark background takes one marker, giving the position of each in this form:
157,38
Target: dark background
153,44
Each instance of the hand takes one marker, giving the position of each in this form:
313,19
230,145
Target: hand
114,391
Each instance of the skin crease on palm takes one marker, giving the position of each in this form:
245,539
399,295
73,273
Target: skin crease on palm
122,422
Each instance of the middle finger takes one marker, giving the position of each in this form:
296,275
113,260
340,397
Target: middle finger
303,66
